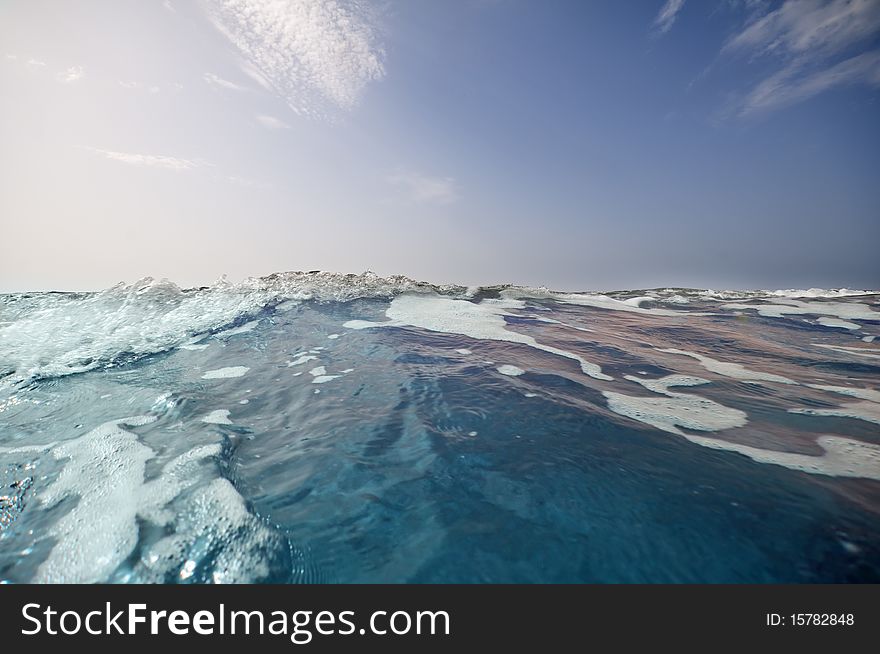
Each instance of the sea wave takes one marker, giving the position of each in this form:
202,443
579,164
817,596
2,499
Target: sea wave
54,334
317,426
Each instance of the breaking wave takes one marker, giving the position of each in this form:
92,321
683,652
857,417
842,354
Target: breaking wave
328,427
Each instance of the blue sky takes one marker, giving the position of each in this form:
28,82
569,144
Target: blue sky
577,145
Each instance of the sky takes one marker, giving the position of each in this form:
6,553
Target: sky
574,145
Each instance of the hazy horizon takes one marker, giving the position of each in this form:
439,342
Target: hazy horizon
577,146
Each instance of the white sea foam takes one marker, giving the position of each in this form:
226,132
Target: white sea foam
819,292
631,305
862,393
303,358
333,336
868,339
483,321
225,373
842,457
48,335
837,322
868,409
241,329
663,384
214,518
195,346
105,470
318,371
844,310
728,369
464,351
675,410
62,335
781,293
52,334
511,371
218,417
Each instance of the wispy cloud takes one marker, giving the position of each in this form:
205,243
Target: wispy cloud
424,189
217,81
814,43
36,62
151,160
271,122
668,13
248,183
789,86
816,27
72,74
313,53
152,90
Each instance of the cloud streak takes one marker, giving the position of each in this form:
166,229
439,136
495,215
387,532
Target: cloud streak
271,122
668,13
788,86
424,189
815,44
150,160
72,74
217,81
815,27
312,53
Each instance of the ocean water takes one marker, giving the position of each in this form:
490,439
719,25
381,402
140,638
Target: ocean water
312,427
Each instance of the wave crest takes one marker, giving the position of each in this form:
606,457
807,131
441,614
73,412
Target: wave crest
55,334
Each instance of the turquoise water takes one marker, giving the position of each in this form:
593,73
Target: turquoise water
331,429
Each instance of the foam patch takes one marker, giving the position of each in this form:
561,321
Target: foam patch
728,369
218,417
837,322
483,321
226,373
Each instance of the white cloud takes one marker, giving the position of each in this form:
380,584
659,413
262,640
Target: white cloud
170,7
216,80
71,75
150,160
128,85
668,14
313,53
36,62
788,86
12,57
271,122
808,39
424,189
814,27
